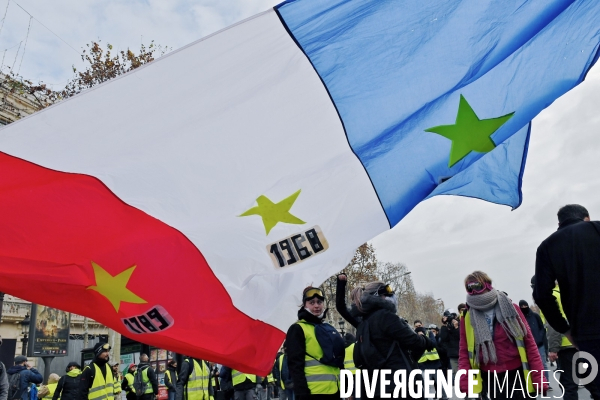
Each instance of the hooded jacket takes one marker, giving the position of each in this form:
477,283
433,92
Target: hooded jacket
385,328
28,376
68,386
296,349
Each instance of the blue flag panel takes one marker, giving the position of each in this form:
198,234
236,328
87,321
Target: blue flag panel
396,70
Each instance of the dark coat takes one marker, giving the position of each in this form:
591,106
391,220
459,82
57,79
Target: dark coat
68,387
536,325
296,349
450,340
570,256
385,328
28,376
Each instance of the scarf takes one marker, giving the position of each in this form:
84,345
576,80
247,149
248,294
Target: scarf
506,315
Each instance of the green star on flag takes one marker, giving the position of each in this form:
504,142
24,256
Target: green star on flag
273,213
469,133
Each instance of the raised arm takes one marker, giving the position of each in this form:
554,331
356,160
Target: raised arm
340,301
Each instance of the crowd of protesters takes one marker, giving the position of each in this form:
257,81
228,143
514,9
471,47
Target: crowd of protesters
489,333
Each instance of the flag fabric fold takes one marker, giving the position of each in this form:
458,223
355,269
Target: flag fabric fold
236,171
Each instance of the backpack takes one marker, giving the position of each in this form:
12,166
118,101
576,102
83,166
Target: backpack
139,386
14,386
332,344
366,355
33,392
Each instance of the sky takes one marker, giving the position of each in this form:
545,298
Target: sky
442,239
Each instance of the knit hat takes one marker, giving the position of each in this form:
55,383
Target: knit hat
100,348
73,364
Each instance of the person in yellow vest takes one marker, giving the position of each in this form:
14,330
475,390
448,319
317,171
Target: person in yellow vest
148,377
495,338
68,385
561,349
127,384
312,377
118,378
282,376
430,360
194,380
171,378
245,386
96,381
52,384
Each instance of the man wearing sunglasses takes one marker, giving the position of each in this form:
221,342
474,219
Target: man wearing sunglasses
570,257
96,381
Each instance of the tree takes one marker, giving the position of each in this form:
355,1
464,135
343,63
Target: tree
102,65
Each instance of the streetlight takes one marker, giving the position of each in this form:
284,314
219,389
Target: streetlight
25,331
341,323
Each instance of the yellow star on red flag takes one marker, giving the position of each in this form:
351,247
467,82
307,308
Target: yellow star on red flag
114,288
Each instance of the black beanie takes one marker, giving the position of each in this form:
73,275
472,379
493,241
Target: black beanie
523,303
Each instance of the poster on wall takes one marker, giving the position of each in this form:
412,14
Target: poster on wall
48,332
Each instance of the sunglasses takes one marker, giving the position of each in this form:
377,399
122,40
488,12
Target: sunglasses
478,287
315,292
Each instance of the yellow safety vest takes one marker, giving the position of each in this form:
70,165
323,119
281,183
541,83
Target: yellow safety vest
270,378
238,377
321,378
146,380
102,388
117,386
349,358
198,381
173,381
280,366
51,390
474,356
556,293
429,356
129,378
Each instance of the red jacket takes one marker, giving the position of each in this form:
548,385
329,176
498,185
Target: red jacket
506,352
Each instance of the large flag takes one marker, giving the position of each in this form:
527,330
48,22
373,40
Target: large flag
188,203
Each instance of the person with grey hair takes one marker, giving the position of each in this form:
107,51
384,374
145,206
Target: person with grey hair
374,311
148,378
570,257
3,379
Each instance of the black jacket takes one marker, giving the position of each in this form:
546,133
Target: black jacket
86,379
570,256
171,385
450,340
385,329
296,349
536,325
67,388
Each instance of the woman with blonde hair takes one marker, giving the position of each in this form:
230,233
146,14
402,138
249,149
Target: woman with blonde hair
374,312
496,340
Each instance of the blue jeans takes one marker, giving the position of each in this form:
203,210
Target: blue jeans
171,395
